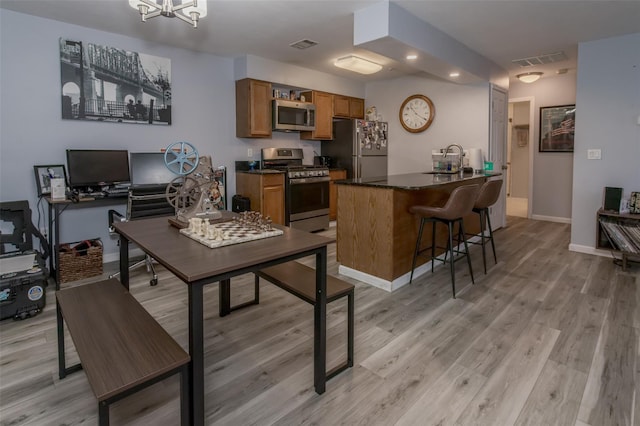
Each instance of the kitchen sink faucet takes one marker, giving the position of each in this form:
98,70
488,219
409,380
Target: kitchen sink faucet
446,151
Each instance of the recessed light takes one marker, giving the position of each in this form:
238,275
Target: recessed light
412,57
454,74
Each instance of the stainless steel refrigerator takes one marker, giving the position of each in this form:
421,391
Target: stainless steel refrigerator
359,146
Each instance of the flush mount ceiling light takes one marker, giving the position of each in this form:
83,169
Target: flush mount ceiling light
529,77
357,64
187,11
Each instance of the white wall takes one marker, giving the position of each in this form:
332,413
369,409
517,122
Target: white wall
462,117
552,171
607,117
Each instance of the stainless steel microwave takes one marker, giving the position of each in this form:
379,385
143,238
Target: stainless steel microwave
293,115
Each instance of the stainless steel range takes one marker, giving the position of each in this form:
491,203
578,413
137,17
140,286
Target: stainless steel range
306,188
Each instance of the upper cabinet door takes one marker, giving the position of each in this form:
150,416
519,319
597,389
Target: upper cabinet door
348,107
324,116
253,108
341,106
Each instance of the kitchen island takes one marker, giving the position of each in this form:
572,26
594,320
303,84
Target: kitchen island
376,234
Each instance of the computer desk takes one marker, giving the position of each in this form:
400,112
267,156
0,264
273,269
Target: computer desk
197,265
56,208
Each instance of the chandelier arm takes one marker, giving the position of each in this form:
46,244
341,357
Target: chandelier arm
153,14
189,21
151,4
187,4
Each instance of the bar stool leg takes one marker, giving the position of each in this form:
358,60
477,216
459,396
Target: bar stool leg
482,227
417,250
450,249
466,249
493,246
433,243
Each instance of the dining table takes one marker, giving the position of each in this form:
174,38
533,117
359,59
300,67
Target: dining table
197,266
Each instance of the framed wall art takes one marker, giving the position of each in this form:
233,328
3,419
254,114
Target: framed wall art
45,173
108,84
557,127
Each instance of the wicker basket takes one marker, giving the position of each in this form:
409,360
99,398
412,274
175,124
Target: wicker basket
80,260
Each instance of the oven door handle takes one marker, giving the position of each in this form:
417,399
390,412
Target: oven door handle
301,181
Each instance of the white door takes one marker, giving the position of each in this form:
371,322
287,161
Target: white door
498,150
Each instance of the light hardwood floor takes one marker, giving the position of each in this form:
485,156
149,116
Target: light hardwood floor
546,337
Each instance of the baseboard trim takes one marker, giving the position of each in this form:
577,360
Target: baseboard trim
551,218
589,250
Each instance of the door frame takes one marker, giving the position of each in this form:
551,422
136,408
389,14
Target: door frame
501,213
532,108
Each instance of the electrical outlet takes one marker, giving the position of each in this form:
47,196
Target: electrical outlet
250,152
594,154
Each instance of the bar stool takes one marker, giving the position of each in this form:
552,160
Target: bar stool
459,204
488,195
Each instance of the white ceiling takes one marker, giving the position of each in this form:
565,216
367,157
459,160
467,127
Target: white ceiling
500,30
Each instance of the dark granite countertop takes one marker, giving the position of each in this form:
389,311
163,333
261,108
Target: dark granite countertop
414,181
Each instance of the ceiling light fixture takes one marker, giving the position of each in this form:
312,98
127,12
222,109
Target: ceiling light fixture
357,64
189,11
529,77
454,74
412,57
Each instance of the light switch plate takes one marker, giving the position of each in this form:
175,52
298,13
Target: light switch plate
594,154
249,152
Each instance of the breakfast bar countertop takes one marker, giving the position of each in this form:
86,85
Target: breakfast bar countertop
415,181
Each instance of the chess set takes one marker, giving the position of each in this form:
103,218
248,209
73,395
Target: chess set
247,226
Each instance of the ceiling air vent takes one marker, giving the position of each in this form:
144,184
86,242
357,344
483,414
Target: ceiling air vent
541,59
303,44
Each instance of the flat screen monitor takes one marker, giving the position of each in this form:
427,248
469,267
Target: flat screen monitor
97,167
148,168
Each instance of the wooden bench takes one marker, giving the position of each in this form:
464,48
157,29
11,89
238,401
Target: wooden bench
121,348
299,280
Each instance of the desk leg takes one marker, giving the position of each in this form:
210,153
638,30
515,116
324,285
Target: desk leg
124,261
54,241
320,323
195,378
224,297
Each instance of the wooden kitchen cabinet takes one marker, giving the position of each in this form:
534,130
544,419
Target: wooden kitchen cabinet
324,116
253,108
333,192
265,191
348,107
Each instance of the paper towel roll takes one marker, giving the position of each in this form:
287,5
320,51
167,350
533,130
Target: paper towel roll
475,159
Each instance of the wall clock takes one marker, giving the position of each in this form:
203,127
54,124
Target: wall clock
416,113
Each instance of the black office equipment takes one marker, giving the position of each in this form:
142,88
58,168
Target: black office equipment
612,197
22,288
148,168
94,170
146,197
240,203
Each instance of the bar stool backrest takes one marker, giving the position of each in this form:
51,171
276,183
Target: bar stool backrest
460,202
489,193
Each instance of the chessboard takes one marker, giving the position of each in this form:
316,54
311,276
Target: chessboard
229,233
